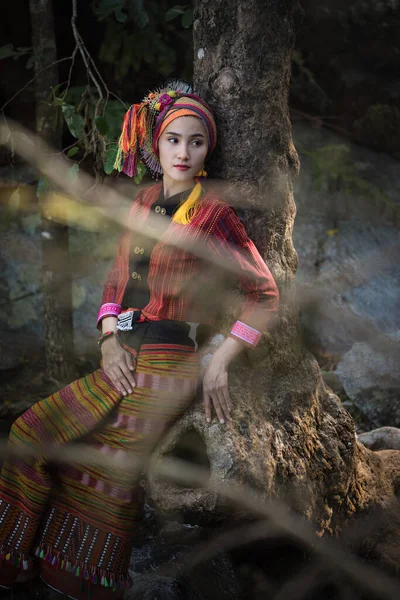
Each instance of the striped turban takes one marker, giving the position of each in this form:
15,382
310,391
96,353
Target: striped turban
144,123
188,105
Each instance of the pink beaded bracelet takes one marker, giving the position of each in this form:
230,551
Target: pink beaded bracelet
245,333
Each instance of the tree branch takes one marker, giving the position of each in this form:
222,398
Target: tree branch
33,78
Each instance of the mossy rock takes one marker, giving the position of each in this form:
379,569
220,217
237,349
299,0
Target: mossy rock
380,128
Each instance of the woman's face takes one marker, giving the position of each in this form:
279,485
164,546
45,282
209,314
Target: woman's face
183,147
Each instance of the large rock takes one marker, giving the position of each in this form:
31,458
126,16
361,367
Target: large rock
383,438
347,240
340,180
370,375
348,282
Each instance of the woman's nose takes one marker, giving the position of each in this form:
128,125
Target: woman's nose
183,152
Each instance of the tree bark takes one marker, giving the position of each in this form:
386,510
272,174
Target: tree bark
290,437
56,272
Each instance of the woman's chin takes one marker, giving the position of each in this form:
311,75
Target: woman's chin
181,177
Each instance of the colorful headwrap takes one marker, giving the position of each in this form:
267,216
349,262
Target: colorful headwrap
145,122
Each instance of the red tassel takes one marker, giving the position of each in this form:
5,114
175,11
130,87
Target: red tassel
133,135
129,167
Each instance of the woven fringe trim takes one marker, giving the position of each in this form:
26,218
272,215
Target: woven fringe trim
16,559
61,561
81,569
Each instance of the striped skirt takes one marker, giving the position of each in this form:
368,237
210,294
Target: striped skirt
79,519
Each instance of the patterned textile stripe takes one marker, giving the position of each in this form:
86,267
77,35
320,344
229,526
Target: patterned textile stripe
25,484
89,524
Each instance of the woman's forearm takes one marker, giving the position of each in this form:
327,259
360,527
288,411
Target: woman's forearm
228,350
109,324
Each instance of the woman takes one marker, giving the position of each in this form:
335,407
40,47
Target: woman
79,520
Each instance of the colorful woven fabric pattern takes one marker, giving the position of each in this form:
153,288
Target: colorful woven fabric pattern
109,310
245,333
81,519
175,274
188,105
144,122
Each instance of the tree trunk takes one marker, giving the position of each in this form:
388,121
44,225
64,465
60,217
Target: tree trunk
290,436
56,272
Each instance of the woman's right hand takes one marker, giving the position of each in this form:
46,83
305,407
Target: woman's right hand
118,365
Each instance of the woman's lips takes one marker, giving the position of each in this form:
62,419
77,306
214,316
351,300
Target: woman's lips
182,167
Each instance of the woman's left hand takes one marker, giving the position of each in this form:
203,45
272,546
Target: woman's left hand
215,390
215,380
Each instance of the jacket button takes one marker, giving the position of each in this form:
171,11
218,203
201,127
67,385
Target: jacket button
157,209
134,275
136,250
163,211
141,250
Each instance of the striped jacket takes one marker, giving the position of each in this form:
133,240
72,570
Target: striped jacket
184,285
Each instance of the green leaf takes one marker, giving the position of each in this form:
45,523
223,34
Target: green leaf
187,18
102,125
120,16
72,151
74,121
174,12
57,88
7,51
114,114
140,173
75,93
73,173
142,19
57,101
30,62
140,14
111,155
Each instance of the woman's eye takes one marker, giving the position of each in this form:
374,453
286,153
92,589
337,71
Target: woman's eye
174,140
